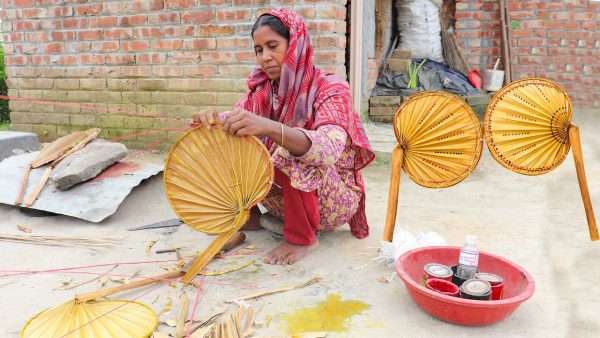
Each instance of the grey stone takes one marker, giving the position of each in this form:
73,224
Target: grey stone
15,143
87,163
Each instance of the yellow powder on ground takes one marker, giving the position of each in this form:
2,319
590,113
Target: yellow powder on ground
330,315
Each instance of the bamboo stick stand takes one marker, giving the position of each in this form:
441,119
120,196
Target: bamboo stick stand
392,209
583,186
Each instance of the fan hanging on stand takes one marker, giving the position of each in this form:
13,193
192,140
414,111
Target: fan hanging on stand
439,145
528,130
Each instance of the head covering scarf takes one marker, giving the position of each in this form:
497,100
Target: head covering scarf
307,97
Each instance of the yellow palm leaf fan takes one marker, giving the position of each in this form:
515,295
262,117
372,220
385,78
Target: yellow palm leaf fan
212,179
106,319
439,145
528,129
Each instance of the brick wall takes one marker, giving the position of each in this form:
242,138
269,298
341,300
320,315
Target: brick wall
127,66
559,40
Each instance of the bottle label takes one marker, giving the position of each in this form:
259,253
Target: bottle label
467,258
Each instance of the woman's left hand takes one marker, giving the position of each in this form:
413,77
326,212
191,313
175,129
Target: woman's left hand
243,123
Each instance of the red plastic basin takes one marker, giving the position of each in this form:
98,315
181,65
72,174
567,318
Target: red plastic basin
518,286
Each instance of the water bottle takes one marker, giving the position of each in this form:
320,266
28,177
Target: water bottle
468,259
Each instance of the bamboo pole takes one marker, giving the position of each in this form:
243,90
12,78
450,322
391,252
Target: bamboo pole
85,297
392,209
583,186
505,42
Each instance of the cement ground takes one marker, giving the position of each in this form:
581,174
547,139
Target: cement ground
538,222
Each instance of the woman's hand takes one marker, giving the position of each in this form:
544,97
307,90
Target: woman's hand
205,118
243,123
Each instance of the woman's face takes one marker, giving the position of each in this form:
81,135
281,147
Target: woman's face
270,49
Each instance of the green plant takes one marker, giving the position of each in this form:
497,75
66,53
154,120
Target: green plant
4,112
413,74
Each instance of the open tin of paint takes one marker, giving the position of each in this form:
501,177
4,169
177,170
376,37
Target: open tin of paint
495,281
476,289
436,270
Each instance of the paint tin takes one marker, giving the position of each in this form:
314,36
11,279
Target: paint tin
495,281
476,289
436,270
442,286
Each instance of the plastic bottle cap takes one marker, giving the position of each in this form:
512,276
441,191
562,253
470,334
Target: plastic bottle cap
471,239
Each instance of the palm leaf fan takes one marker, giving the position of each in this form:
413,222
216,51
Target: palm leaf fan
106,319
212,180
52,154
439,145
528,129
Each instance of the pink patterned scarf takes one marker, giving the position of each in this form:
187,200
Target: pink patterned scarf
309,98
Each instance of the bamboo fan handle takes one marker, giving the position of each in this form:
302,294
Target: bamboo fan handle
33,195
392,209
583,187
133,285
215,247
23,184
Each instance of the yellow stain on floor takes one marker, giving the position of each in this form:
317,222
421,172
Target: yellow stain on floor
330,315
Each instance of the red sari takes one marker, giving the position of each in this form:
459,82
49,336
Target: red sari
308,98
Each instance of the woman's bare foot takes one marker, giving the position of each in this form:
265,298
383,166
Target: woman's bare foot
254,221
287,253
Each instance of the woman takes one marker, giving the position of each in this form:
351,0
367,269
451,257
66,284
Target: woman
304,116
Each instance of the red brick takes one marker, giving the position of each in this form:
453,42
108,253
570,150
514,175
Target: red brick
179,4
214,30
135,46
147,32
105,46
147,5
119,33
90,35
201,44
105,21
132,20
92,59
63,36
150,58
167,45
233,14
91,9
200,16
54,48
26,25
119,59
69,23
217,57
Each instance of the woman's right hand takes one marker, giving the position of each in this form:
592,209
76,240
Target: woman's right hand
205,118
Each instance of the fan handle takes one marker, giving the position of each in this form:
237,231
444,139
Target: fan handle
215,247
85,297
392,209
583,186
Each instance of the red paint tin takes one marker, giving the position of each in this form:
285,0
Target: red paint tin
436,270
495,281
442,286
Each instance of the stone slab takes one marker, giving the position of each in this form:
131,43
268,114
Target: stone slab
87,163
